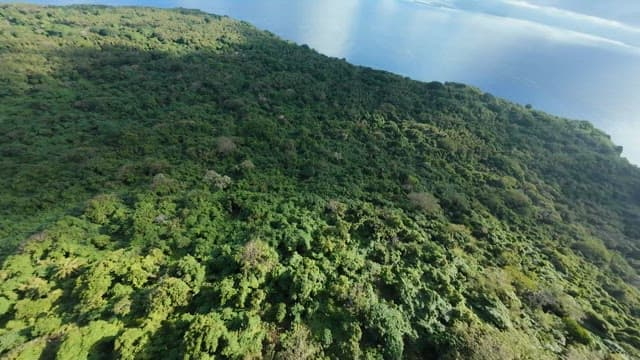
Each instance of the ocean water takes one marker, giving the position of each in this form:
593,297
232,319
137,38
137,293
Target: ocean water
578,59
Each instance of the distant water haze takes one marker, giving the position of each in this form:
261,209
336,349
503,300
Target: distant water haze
573,58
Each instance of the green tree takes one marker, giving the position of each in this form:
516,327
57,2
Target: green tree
79,343
206,333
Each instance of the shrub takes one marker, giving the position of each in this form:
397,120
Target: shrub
102,207
457,205
204,336
478,342
307,279
101,241
27,309
93,285
297,344
46,325
190,271
247,165
80,343
596,322
391,327
169,293
131,342
410,182
257,256
336,207
575,331
219,181
35,287
66,267
425,202
5,305
10,340
162,184
104,32
547,299
122,307
225,145
518,201
594,250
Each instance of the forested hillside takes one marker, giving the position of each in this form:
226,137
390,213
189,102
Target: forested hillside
178,185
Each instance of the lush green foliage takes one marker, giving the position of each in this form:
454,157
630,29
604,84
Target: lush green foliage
180,185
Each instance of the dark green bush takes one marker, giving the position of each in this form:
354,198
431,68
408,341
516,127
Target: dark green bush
575,331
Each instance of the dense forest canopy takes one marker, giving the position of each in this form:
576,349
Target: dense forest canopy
179,185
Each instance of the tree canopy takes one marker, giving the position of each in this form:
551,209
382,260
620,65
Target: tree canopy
180,185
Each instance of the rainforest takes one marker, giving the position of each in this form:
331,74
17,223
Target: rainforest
180,185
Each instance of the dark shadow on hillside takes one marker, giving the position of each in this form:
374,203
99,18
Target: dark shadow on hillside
108,119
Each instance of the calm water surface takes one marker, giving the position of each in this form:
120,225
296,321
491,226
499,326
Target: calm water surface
579,59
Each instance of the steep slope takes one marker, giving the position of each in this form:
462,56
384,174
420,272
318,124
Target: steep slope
177,185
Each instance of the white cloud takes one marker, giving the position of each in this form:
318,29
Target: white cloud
568,14
555,23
